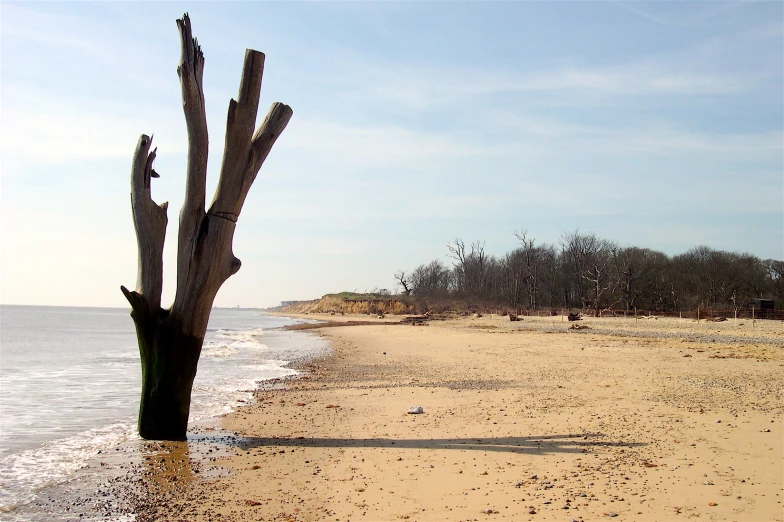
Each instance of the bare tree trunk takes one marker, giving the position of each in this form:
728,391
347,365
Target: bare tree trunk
170,341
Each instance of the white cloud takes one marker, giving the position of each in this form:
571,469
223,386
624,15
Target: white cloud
383,146
50,29
37,130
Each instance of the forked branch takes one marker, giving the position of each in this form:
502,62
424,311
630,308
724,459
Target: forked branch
245,151
150,221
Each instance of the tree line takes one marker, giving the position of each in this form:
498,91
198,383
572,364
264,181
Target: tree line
583,271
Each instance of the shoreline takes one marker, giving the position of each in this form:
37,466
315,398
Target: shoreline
112,480
517,424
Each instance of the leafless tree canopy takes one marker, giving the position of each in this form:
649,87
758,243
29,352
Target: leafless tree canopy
593,274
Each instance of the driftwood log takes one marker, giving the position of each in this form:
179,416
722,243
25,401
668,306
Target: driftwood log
170,340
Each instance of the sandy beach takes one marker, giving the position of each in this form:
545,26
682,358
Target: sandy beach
662,419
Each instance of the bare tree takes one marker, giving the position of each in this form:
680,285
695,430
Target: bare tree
591,258
470,267
531,266
430,280
170,340
775,278
400,277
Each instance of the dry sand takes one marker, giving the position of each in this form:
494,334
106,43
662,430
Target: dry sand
661,420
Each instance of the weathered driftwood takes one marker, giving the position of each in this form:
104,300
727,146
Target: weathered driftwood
170,340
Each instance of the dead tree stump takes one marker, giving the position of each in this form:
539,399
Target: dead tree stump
170,340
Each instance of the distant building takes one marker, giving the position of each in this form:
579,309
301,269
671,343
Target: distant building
762,308
761,304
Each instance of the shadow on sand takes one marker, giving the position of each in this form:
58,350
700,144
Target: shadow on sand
534,445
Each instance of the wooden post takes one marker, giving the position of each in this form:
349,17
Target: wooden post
753,319
170,340
635,316
698,314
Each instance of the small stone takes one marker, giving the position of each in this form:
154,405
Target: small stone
532,511
612,514
414,410
712,504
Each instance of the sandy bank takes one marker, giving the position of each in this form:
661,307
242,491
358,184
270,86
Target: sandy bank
522,421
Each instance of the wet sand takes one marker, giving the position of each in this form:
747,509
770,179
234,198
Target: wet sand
522,421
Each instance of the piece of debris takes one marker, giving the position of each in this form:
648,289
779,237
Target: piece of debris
579,327
413,410
489,511
416,320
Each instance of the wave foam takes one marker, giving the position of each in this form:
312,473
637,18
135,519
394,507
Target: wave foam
24,474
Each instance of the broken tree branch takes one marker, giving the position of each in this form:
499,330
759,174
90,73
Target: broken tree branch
150,222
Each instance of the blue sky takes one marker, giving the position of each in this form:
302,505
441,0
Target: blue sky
654,124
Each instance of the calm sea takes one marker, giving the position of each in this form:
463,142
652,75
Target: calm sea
70,384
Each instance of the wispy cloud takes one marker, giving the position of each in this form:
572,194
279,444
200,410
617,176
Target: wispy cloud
50,29
697,14
42,130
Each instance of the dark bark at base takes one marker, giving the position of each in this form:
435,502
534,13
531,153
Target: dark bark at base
169,361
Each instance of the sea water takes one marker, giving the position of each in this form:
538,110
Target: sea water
70,381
